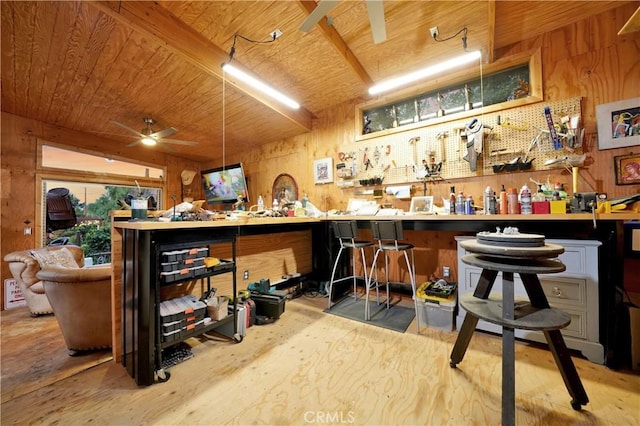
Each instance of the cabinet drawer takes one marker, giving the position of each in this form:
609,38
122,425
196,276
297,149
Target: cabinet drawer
578,325
566,291
574,258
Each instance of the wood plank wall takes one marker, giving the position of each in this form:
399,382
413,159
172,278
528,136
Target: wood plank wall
586,59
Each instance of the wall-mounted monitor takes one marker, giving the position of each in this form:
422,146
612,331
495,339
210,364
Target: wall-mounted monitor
225,184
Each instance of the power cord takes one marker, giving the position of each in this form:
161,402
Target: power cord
232,52
464,38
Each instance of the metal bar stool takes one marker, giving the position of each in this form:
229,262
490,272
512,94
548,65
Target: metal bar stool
347,234
388,234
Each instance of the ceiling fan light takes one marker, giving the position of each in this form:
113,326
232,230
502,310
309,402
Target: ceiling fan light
148,141
259,85
424,72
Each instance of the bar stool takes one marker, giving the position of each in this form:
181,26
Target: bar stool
388,234
347,234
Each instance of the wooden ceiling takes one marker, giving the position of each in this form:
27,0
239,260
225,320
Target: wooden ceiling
80,65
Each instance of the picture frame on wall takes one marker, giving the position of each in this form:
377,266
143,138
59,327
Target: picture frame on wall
618,124
627,169
323,171
421,205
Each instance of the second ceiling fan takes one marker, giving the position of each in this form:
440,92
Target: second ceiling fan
375,10
148,136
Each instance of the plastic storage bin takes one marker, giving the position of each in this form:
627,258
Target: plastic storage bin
436,312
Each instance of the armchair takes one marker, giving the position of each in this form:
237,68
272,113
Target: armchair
81,302
24,267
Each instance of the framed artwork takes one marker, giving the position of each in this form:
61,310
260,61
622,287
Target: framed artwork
618,124
323,170
285,189
421,205
627,169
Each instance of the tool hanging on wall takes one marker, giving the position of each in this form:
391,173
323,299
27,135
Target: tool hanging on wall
552,129
474,135
419,170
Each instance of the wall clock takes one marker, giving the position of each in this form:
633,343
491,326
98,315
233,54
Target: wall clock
285,189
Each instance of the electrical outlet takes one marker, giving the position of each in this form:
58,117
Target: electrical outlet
275,34
245,275
446,272
434,32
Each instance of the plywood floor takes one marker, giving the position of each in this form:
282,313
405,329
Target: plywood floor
311,367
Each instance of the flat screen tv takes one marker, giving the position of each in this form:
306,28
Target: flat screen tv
225,184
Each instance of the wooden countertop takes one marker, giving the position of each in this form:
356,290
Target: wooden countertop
153,225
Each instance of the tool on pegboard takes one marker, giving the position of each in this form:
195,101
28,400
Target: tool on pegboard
552,129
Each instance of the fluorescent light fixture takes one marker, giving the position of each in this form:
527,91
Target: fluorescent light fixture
147,140
424,73
257,84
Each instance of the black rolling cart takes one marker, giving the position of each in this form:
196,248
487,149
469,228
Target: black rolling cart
146,255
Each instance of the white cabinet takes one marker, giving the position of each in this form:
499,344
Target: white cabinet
575,291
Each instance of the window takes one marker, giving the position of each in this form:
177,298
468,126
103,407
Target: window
509,83
94,186
495,88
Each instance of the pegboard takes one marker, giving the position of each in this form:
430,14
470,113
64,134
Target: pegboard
510,134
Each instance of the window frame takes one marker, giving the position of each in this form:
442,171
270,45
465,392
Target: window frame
533,58
52,173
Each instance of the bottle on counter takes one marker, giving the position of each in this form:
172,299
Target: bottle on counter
460,203
452,201
469,207
504,209
512,201
493,204
525,200
260,203
275,204
488,192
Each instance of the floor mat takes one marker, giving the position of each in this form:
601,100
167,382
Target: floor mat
395,318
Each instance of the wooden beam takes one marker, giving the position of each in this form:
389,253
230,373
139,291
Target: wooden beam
157,22
491,38
338,43
632,25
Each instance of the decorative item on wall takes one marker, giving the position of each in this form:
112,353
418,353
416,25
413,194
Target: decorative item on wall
323,170
285,189
618,124
627,169
421,205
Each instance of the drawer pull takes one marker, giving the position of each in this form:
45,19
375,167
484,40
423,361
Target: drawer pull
557,292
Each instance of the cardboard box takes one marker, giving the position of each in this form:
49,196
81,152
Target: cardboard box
218,307
558,207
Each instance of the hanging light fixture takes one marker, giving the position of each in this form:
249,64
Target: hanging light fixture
252,81
259,85
423,73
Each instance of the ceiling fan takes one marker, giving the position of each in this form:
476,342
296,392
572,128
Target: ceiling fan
147,136
375,9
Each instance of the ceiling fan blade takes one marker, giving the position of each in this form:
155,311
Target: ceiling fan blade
178,142
375,9
124,126
133,143
323,7
162,133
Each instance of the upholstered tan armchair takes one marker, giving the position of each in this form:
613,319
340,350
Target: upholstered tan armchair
81,302
24,267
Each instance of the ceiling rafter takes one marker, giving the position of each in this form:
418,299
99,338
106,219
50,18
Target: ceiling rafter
152,19
491,39
338,43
